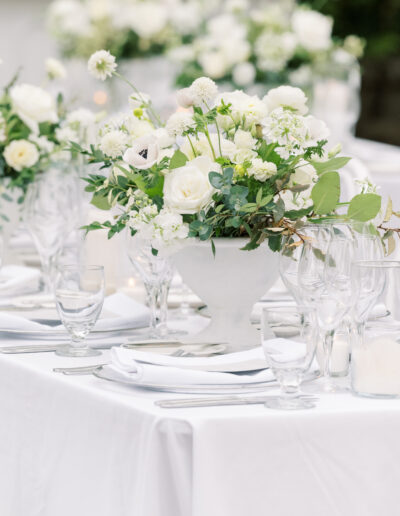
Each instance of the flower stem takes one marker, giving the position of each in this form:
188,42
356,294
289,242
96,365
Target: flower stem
211,146
191,144
154,114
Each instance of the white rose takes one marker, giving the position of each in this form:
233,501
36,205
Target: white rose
244,74
187,189
144,152
21,154
243,155
286,97
313,29
33,105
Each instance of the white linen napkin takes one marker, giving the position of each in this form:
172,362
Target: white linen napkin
123,313
125,362
15,279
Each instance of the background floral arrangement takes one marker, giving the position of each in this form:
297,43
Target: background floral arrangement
35,128
128,28
270,43
226,165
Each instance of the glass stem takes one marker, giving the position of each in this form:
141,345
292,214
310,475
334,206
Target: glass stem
328,344
78,342
48,263
152,294
163,301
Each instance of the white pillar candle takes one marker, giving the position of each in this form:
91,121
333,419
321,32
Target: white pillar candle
376,367
340,356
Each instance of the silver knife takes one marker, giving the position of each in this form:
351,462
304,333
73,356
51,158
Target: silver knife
218,401
44,348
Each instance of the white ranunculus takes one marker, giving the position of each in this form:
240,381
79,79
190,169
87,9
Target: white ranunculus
20,154
243,155
55,69
33,105
286,97
202,147
244,74
144,152
313,29
262,170
187,189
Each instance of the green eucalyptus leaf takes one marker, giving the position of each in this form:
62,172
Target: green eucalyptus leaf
331,165
364,207
326,193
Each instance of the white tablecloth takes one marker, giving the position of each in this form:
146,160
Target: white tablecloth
85,447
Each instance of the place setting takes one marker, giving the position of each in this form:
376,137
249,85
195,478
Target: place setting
199,258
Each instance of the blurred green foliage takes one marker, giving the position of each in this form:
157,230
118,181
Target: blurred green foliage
378,21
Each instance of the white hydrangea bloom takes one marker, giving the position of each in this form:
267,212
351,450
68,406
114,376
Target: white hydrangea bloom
179,122
247,110
203,90
20,154
114,143
261,170
102,64
66,134
203,148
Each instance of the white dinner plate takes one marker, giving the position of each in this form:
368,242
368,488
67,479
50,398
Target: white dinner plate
110,374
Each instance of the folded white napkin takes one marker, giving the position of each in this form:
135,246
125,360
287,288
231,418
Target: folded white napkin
16,279
122,311
126,362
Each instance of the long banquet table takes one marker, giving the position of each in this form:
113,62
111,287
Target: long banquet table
77,445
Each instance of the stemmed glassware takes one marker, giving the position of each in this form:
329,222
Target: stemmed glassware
79,294
49,214
289,340
156,273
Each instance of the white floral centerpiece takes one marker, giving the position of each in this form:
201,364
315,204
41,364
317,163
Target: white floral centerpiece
35,130
128,28
228,173
266,44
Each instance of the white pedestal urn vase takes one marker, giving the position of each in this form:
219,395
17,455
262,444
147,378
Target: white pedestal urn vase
229,284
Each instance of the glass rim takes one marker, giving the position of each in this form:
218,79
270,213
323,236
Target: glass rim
283,308
70,267
375,264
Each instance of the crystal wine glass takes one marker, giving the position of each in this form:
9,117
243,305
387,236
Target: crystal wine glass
289,340
49,214
79,294
156,273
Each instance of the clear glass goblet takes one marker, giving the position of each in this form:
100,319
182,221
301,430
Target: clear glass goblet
79,294
289,340
155,271
50,215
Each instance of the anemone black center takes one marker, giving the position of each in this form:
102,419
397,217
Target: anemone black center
143,153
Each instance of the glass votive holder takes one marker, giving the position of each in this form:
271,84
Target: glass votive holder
375,363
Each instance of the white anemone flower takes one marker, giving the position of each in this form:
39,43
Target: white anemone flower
144,152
